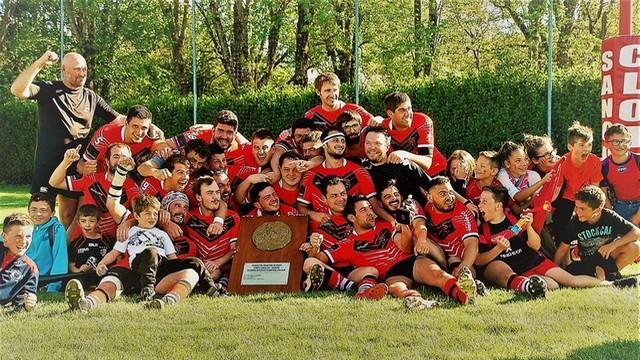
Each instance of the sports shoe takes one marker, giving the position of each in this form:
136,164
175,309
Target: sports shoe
376,292
73,293
481,288
467,284
419,303
155,304
147,293
314,279
626,282
535,287
216,290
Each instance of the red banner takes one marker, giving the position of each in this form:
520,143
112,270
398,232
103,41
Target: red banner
620,85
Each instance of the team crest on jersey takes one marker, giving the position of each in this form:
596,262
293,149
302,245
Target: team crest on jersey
441,230
408,144
379,242
15,275
622,169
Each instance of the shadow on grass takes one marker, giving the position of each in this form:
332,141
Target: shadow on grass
618,350
265,297
610,350
517,297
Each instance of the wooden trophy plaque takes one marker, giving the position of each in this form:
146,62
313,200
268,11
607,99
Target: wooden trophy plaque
268,257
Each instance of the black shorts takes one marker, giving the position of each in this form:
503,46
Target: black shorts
40,183
587,266
345,271
167,267
403,268
128,278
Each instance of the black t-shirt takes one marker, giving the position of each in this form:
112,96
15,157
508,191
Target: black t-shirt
591,237
82,249
409,178
58,108
519,256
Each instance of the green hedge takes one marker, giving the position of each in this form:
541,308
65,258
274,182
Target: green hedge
473,113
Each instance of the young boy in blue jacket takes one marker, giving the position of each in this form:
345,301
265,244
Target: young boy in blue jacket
18,274
49,246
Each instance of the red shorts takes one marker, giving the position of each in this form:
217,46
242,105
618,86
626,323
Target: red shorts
541,269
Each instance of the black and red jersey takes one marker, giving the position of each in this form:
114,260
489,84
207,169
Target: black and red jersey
239,173
623,179
242,156
417,139
112,133
373,248
356,179
287,197
95,188
154,187
211,247
472,191
334,231
324,119
450,229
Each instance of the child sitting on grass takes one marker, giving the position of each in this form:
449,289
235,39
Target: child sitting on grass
86,251
147,246
49,246
18,273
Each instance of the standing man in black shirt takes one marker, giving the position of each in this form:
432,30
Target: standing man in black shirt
66,110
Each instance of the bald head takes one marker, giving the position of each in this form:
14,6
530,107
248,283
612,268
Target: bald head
74,70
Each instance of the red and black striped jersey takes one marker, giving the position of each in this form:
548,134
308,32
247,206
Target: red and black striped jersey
418,139
110,134
242,156
356,179
211,247
324,119
450,229
373,248
287,197
95,188
334,231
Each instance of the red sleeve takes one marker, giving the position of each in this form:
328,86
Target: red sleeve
425,133
465,225
596,176
150,186
306,189
79,184
364,114
233,232
341,253
98,145
365,184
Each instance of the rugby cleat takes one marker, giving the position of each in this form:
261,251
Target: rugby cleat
467,284
155,304
535,287
376,292
216,290
73,294
626,282
481,288
147,293
314,279
419,303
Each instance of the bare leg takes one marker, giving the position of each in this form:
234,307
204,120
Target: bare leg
67,210
626,255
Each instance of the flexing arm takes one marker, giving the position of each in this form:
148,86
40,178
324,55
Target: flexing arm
58,176
486,257
526,194
23,86
424,161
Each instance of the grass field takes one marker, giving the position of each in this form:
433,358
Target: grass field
13,198
569,324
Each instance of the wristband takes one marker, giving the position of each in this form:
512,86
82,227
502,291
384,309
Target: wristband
218,220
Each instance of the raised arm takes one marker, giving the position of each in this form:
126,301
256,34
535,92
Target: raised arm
23,86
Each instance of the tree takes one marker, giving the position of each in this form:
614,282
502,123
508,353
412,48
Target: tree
175,15
426,37
305,12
